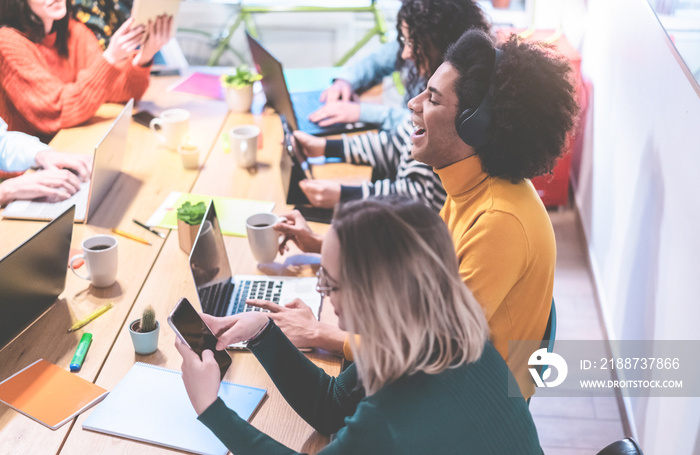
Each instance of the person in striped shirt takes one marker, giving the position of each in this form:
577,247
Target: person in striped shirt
393,169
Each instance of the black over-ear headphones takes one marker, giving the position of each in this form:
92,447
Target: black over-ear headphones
473,124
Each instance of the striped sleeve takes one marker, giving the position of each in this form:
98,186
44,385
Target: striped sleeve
394,171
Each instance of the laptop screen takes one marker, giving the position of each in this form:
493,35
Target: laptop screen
274,85
208,260
33,275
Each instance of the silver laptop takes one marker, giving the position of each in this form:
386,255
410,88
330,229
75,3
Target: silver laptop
33,275
222,294
106,167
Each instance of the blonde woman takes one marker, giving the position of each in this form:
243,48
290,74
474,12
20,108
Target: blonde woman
425,379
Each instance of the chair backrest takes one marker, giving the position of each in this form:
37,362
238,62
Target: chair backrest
627,446
550,333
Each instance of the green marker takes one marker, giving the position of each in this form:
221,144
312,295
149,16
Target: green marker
80,352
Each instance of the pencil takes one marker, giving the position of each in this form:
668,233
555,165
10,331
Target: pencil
83,322
130,236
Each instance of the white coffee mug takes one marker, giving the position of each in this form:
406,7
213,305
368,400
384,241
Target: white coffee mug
172,127
262,238
101,260
244,144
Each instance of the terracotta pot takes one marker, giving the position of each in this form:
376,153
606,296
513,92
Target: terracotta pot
239,99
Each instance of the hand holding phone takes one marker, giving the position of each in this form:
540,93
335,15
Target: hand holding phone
195,333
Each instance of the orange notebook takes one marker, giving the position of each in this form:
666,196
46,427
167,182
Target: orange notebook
49,394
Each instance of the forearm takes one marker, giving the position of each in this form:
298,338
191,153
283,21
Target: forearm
321,400
329,338
239,436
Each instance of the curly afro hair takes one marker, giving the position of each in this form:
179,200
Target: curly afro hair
432,26
533,103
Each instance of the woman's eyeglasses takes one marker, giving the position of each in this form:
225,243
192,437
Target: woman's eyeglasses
322,285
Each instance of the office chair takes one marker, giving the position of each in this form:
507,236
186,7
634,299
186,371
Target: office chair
550,333
626,446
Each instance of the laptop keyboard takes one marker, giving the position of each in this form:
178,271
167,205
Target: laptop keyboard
50,210
215,299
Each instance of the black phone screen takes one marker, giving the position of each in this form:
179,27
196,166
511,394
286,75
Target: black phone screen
194,331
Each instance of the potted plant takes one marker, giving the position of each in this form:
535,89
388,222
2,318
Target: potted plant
144,332
189,217
238,88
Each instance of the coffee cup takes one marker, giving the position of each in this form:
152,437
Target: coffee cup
262,238
244,144
100,255
190,156
171,127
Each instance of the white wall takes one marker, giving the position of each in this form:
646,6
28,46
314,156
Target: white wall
637,192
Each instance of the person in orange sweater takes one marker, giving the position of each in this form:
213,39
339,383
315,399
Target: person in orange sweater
502,234
53,73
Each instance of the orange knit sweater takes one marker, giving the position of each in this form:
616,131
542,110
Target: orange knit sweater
42,92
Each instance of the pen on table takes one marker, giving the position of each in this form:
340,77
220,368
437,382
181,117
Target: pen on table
150,229
77,360
83,322
130,236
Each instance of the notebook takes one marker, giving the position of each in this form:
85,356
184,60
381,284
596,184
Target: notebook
48,394
222,294
233,211
106,167
33,275
150,404
295,106
145,10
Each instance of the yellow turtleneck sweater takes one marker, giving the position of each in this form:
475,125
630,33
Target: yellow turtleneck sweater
506,252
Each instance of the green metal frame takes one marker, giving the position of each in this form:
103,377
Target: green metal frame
245,15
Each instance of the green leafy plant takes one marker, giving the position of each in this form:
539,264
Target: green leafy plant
191,214
241,78
148,320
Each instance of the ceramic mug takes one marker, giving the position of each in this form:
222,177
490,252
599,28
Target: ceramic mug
101,260
244,144
262,238
172,127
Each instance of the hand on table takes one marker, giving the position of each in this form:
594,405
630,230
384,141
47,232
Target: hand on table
339,90
158,34
124,42
53,185
201,376
295,319
336,112
296,229
321,193
52,160
311,145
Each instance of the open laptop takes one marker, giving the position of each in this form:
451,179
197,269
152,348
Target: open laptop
294,167
295,106
33,275
106,167
222,294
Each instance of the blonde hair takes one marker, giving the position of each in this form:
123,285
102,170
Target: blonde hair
402,292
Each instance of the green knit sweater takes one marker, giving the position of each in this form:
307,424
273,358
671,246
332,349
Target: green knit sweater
465,410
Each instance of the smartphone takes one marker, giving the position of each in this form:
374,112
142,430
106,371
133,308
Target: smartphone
144,118
195,333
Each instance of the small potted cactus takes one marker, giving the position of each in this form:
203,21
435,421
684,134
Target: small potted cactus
144,332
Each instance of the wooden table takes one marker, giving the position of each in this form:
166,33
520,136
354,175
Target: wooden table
158,275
